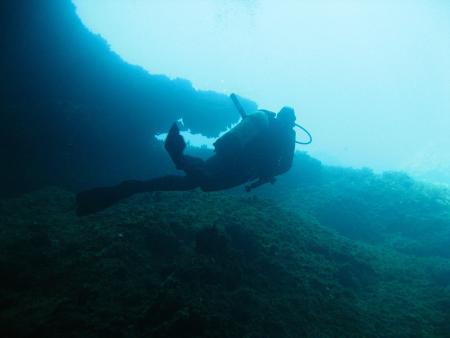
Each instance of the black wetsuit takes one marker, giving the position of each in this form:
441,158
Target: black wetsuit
265,156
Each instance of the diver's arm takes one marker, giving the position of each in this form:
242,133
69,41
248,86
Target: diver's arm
287,156
285,164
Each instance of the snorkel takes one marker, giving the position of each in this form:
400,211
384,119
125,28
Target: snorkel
238,106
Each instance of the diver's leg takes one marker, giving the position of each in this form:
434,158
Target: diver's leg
175,145
216,173
222,173
166,183
91,201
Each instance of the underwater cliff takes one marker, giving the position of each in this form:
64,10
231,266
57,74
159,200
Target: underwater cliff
68,104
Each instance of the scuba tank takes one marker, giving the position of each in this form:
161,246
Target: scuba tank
247,129
244,116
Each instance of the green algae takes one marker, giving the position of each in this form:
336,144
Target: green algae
213,265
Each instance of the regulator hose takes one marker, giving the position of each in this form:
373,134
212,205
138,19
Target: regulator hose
307,133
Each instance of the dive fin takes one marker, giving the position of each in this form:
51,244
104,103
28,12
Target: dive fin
97,199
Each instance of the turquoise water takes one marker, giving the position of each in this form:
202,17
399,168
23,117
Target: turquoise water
371,78
325,251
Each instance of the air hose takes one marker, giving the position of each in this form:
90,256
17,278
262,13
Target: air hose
307,133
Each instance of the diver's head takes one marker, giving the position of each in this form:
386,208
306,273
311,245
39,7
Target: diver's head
286,116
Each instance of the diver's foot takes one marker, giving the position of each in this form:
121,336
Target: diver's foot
95,200
175,145
92,201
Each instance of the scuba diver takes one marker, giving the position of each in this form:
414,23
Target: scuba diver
256,150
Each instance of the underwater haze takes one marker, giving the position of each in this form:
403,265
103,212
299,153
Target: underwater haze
370,79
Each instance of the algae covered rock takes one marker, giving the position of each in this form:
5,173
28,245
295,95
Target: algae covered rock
203,265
